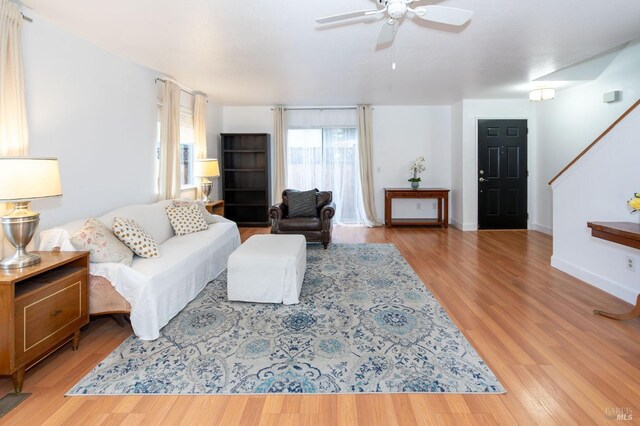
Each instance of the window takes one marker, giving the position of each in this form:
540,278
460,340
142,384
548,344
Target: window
187,149
325,156
187,140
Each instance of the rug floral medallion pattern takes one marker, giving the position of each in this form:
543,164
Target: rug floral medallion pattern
365,323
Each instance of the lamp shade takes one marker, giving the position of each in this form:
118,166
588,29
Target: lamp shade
207,167
23,179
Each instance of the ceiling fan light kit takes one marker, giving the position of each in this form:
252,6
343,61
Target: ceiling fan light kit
395,10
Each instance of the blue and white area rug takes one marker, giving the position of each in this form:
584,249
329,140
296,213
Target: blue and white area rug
365,323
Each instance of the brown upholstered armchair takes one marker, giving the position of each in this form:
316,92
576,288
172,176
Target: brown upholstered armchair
315,229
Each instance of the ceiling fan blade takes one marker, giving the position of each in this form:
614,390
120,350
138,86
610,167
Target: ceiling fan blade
375,12
443,14
343,16
388,32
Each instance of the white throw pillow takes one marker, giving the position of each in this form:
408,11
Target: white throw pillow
135,237
186,219
103,247
205,213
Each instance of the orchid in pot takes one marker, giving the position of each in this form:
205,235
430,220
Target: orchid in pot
417,167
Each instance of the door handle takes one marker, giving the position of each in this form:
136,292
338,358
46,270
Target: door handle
483,180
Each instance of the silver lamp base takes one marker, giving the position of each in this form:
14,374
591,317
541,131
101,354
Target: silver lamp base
19,226
20,259
205,187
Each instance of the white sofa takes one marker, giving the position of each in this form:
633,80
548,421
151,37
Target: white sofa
157,288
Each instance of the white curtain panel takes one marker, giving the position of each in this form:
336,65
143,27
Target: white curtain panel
365,151
200,126
13,116
169,185
279,153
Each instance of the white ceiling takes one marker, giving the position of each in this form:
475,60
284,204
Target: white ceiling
266,52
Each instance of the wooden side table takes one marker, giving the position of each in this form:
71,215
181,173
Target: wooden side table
441,194
216,207
42,307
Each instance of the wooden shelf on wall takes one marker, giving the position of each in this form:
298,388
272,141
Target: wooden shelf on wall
626,234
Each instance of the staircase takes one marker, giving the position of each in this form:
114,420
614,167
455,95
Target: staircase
595,187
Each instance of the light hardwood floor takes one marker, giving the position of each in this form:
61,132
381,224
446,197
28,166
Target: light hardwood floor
531,323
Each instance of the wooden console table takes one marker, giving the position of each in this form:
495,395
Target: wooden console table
627,234
443,206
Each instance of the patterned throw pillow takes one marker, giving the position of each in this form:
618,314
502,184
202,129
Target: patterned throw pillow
135,237
102,245
302,203
187,219
207,216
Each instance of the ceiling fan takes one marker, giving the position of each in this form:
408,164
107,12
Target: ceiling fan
395,10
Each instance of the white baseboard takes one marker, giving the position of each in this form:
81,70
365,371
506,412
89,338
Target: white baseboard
541,228
463,226
623,292
474,227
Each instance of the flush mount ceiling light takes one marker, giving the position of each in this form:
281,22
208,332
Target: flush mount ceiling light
542,94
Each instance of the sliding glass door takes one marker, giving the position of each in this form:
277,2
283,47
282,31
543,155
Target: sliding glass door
327,158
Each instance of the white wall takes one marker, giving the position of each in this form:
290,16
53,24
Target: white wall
456,166
97,114
577,116
472,111
255,119
400,134
596,188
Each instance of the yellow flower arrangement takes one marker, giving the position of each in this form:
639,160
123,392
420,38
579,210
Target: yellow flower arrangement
634,203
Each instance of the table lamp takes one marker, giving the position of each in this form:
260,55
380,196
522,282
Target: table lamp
24,179
205,169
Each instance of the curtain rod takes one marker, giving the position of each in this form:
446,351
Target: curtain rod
316,108
183,88
19,4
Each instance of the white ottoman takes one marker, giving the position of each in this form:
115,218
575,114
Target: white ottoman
267,269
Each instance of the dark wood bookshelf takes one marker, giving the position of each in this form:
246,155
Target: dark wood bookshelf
246,177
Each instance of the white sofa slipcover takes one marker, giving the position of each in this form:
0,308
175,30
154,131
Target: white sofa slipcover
158,288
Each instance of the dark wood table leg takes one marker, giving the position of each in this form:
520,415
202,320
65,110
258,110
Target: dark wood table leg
18,378
387,210
635,312
440,218
446,210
